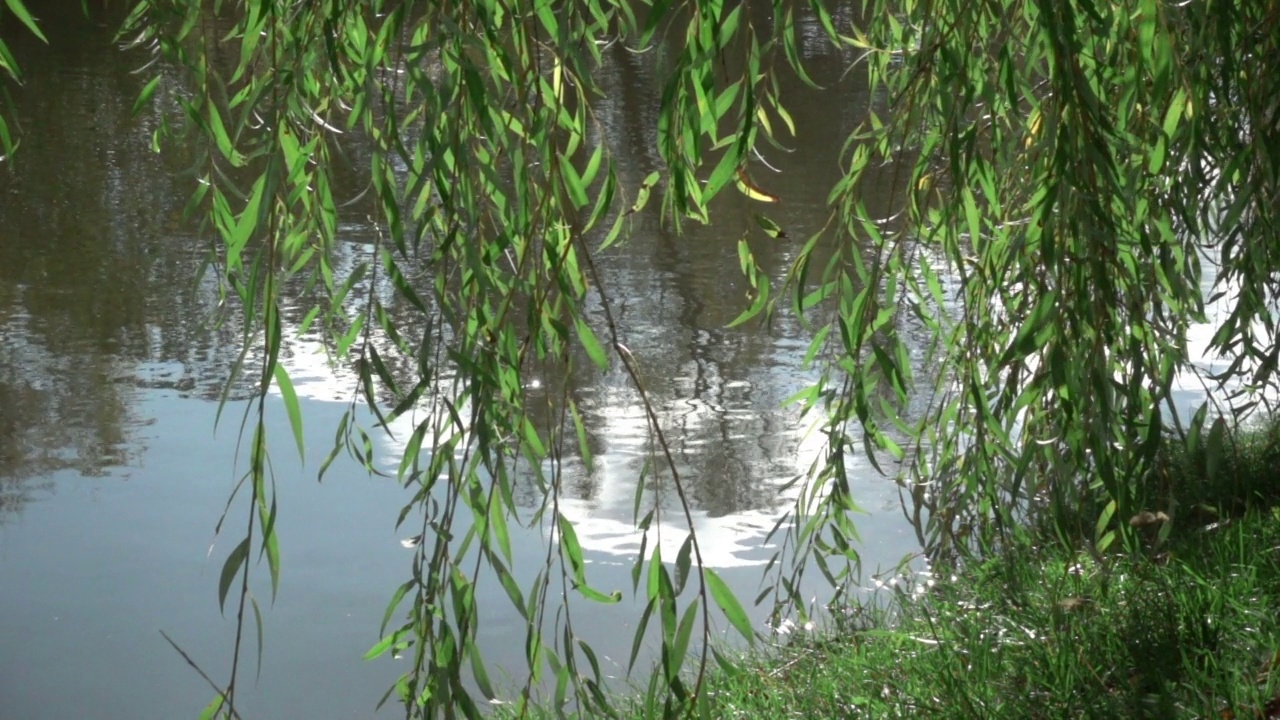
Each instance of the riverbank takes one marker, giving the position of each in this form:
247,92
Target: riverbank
1193,633
1189,627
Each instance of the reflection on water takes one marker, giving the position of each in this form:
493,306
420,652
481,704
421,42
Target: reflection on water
96,296
112,477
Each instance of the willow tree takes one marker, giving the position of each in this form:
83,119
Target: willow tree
1069,167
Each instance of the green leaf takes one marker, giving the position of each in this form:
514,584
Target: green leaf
655,570
594,662
682,563
1025,342
723,173
1213,451
725,664
6,140
144,97
384,645
770,227
248,220
584,449
572,550
594,595
680,648
972,216
562,686
510,587
547,15
220,137
257,619
1105,541
396,597
1195,429
573,183
479,673
728,604
292,408
591,344
531,437
270,543
212,709
637,639
20,11
8,63
1174,114
498,523
229,570
593,166
657,11
1104,521
637,565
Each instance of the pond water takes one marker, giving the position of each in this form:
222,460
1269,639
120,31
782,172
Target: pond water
113,472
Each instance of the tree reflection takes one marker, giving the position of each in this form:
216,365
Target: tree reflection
96,300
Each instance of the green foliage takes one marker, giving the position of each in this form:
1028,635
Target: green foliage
1065,170
1068,167
9,68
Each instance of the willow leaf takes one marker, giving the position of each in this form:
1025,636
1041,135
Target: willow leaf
728,604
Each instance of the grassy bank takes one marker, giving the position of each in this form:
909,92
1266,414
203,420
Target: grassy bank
1051,634
1190,628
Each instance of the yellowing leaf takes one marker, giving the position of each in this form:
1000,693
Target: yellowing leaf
751,190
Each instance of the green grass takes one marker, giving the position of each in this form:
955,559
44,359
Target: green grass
1191,483
1048,634
1247,476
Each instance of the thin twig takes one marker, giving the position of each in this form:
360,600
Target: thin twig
196,667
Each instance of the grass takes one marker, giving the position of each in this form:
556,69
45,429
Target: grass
1185,628
1050,634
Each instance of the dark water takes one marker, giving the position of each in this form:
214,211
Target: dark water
113,475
